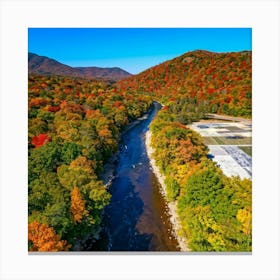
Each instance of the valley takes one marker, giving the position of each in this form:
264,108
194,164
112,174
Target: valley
137,219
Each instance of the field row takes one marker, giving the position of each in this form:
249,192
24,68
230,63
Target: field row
229,140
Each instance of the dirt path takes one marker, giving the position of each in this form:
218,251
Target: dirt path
229,118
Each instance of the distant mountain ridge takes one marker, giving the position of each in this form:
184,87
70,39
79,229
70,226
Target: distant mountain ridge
47,66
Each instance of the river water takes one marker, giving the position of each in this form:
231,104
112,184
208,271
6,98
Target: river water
137,218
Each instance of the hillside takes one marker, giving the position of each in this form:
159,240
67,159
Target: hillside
46,66
74,126
220,82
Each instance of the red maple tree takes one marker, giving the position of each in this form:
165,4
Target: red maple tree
40,140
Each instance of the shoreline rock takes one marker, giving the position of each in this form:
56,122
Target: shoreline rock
172,206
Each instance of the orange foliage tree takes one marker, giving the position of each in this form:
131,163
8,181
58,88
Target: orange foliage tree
44,239
78,205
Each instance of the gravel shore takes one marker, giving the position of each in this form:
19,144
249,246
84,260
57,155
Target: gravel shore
171,205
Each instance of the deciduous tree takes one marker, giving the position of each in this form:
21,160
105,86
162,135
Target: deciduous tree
44,239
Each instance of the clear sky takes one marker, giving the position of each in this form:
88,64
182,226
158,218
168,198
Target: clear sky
132,49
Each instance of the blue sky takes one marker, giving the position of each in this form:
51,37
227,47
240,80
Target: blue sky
132,49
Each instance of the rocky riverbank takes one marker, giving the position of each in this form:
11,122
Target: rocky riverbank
171,205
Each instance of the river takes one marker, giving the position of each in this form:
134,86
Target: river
137,218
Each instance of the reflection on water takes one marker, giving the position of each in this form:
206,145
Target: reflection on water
137,217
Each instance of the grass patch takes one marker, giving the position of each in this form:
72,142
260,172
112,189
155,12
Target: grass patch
227,141
246,149
210,141
234,129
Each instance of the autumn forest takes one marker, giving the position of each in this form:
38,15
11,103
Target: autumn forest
76,126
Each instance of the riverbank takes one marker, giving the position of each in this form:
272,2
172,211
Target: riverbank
137,218
171,205
107,175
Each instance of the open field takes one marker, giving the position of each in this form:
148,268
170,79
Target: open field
246,149
229,143
234,140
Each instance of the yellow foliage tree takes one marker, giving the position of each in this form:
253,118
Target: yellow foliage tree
82,163
244,216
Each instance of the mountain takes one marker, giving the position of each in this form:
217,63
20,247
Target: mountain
46,66
221,82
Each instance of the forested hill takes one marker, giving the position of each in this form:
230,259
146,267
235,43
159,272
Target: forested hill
43,65
216,82
73,127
